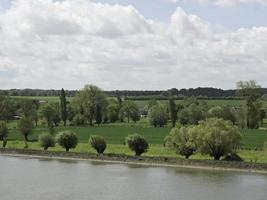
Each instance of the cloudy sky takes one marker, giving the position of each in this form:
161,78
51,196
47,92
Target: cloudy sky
132,44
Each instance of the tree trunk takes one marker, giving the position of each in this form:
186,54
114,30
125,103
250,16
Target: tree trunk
217,157
26,137
67,149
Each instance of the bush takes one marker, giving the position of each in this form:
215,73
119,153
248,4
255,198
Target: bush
137,143
3,133
218,137
78,120
183,141
46,140
67,140
98,143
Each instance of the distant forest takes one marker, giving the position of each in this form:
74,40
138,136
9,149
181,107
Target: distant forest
139,94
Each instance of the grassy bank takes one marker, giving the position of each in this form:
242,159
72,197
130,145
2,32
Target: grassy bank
155,150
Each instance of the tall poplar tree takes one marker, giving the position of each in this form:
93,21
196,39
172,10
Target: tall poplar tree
173,111
63,106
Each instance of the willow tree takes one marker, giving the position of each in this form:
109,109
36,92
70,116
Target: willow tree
250,90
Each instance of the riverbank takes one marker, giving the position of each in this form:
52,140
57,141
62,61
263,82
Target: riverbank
144,160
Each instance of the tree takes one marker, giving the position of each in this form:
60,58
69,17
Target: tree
67,140
215,112
218,137
99,114
98,143
113,110
262,115
130,110
3,133
158,116
251,91
63,106
241,116
6,108
46,140
89,101
192,114
25,127
51,113
173,111
137,143
183,141
79,120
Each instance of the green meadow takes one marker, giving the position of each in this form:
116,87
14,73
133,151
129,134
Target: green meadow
115,133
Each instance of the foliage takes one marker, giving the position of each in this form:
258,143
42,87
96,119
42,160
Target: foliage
67,140
218,137
173,111
46,140
63,106
78,120
137,143
3,133
183,141
113,110
192,114
98,143
224,112
158,116
51,113
91,102
251,91
25,127
215,112
130,110
7,108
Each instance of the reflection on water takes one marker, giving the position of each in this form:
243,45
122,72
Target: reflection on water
44,179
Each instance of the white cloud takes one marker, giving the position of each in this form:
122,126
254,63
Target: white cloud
46,44
226,3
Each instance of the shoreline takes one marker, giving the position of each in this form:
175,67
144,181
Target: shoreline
142,161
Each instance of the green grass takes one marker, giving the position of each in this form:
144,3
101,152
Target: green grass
155,150
116,133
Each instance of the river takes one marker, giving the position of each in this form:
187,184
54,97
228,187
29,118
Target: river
51,179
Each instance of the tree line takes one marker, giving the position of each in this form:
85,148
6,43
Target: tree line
201,92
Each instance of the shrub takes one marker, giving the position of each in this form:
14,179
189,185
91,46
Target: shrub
183,141
218,137
67,140
46,140
137,143
78,120
98,143
3,133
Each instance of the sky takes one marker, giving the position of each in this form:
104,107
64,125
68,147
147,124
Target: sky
132,44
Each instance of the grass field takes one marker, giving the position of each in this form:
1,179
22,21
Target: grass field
116,133
252,140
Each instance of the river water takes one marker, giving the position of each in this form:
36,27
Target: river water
45,179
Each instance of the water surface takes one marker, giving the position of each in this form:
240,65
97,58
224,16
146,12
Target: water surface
45,179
